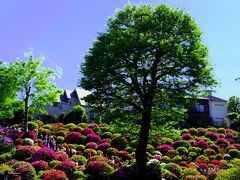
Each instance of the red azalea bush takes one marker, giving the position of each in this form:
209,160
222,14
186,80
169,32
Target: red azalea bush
211,135
40,165
29,134
24,152
67,167
73,138
55,175
222,142
93,138
45,154
103,146
27,171
216,162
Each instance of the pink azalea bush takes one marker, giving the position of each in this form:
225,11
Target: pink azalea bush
87,131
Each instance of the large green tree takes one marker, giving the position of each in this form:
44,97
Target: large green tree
148,57
33,85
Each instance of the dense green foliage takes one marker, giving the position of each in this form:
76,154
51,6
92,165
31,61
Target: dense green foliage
33,85
149,58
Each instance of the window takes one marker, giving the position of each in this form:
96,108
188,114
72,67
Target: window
200,108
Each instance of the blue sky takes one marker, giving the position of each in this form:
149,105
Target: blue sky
64,30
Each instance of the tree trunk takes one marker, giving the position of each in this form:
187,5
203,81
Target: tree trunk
142,144
26,109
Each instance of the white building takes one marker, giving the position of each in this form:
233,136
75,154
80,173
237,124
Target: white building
68,100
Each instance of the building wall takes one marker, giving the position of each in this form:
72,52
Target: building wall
218,111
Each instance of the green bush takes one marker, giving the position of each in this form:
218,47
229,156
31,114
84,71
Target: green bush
177,159
119,142
165,159
166,140
231,173
47,126
80,159
32,125
5,157
5,168
234,153
174,168
189,171
182,150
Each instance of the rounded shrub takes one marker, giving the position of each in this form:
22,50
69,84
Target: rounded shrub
5,168
47,126
92,145
28,141
166,140
119,142
80,159
27,171
103,146
106,135
40,165
182,150
55,175
180,143
87,131
24,152
6,144
32,125
193,131
211,135
234,153
90,152
164,148
45,154
93,138
73,138
98,169
14,134
67,167
29,134
62,133
174,168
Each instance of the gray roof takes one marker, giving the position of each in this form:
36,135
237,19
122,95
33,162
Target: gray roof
213,98
77,93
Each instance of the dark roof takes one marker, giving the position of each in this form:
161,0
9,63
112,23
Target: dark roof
213,98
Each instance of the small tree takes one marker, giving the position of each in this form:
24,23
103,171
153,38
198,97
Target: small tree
149,57
233,104
33,85
75,115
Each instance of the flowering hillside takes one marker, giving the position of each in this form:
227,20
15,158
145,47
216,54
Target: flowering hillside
90,151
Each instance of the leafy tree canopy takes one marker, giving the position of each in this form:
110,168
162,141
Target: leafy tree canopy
149,57
30,83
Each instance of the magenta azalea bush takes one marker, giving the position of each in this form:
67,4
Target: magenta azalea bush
45,154
93,138
87,131
92,145
201,144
